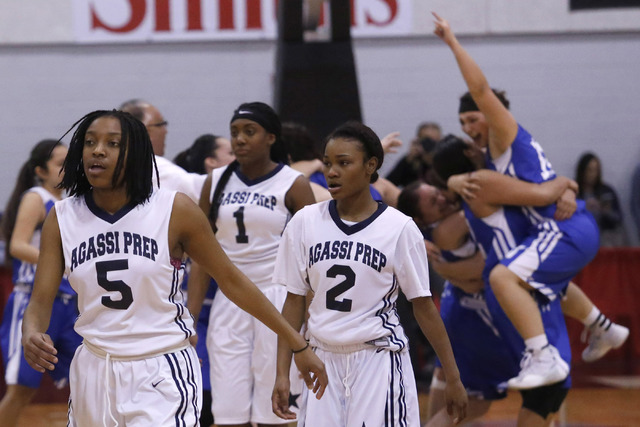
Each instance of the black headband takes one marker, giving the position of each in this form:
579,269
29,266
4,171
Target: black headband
467,104
254,114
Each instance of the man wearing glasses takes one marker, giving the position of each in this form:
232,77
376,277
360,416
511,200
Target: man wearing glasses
172,177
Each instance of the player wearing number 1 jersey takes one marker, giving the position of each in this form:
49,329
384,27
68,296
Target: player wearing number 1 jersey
249,204
355,255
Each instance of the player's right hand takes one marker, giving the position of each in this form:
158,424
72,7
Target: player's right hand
280,399
39,351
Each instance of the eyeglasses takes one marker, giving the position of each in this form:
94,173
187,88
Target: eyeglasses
159,125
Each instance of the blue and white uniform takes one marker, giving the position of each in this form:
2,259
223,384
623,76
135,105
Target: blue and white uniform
242,350
498,235
355,271
136,365
63,317
485,360
553,252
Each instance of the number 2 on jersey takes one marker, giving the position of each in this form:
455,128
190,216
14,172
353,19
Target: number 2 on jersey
104,267
333,293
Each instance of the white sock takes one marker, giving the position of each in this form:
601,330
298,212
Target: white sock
536,343
591,317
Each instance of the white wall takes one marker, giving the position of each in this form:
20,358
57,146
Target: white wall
573,92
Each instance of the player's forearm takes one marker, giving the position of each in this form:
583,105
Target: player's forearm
293,311
249,298
196,289
471,72
431,325
24,251
37,316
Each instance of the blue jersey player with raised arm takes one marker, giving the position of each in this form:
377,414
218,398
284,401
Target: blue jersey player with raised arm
556,248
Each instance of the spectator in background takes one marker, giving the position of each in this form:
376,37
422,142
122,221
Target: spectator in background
601,200
416,165
172,177
206,153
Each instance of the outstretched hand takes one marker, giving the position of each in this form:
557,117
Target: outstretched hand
39,351
391,142
312,371
442,29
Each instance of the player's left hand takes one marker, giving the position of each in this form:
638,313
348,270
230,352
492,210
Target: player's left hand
566,205
39,351
312,370
457,401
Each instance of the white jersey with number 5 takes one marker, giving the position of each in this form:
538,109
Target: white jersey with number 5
128,285
355,271
251,219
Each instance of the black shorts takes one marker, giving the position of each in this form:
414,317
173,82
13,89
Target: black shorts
544,400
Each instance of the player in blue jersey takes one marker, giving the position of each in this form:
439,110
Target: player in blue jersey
122,243
486,348
356,254
551,256
34,194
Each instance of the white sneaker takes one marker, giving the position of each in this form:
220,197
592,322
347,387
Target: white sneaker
539,368
602,340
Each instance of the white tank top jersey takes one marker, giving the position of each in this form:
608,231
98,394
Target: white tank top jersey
355,272
24,272
128,285
251,219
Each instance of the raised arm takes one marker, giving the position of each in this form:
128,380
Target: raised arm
189,232
38,346
503,127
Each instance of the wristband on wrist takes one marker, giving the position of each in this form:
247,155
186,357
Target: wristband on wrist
301,350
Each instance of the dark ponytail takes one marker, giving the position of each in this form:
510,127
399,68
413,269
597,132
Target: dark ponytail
27,178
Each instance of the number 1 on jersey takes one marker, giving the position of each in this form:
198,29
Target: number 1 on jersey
241,237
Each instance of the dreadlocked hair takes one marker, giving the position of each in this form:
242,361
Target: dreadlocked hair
27,178
135,144
217,193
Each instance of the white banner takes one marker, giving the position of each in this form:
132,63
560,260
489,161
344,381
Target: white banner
108,21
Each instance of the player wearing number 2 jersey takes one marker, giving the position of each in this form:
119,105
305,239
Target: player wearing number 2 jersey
122,244
356,254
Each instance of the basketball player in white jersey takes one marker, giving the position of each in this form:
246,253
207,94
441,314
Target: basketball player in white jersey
122,244
356,254
249,203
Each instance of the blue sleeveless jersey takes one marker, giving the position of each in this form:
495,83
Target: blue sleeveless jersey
24,272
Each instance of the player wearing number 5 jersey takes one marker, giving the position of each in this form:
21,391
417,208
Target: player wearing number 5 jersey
356,254
249,204
122,244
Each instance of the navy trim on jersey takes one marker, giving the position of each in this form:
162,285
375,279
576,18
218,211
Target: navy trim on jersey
104,215
175,288
351,229
386,311
249,182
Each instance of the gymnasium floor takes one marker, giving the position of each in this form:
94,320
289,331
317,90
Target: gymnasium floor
617,404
